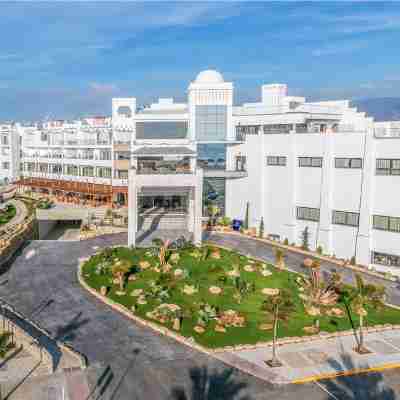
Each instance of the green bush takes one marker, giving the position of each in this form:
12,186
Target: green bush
319,250
286,242
225,221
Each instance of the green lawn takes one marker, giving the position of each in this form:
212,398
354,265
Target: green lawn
203,273
7,214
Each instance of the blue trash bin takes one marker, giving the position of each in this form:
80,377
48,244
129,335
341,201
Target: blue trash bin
236,224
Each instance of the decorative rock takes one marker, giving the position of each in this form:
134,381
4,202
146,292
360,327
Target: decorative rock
157,269
265,327
174,257
178,272
270,291
141,300
136,292
189,289
310,329
233,273
103,290
166,268
144,264
216,255
335,312
199,329
120,293
115,281
313,311
248,268
176,324
132,278
265,272
215,290
219,328
133,308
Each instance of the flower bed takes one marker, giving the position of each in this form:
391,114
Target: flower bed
212,295
7,214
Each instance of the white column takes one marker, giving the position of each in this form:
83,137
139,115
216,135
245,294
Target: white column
132,208
364,236
197,209
324,236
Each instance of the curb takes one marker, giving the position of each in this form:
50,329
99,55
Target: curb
351,372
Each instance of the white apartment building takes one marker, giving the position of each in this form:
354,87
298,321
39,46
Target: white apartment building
323,166
9,153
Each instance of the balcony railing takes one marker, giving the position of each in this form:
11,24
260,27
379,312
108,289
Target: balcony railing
164,171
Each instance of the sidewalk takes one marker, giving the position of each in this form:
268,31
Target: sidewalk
320,359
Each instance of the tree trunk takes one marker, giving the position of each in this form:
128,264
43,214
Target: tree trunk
121,283
361,335
317,324
274,357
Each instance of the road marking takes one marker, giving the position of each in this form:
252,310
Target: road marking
326,391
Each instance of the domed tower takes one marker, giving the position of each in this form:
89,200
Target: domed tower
210,108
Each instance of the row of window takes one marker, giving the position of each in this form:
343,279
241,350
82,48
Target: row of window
383,166
385,223
316,162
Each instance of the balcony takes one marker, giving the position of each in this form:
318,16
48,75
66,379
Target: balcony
164,170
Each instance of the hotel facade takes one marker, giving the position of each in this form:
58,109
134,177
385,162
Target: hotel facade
320,166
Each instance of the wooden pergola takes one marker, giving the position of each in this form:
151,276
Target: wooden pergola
75,192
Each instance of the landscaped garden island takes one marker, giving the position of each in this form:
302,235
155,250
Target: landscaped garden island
222,298
7,213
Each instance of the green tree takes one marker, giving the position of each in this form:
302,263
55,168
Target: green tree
305,239
213,211
360,298
318,295
6,343
261,230
280,306
246,217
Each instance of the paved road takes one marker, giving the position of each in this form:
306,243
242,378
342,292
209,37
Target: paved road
20,214
294,260
42,284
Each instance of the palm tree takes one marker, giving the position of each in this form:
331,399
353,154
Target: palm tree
119,270
162,246
317,294
363,296
279,258
280,306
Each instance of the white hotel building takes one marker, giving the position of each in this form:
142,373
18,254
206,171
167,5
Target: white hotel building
321,165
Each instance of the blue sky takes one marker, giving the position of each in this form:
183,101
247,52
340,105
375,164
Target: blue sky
67,59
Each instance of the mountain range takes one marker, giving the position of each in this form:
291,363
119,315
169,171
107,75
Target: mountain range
381,108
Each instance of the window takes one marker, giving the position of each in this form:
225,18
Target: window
87,171
384,223
4,140
355,163
43,136
310,162
387,166
71,170
345,218
240,163
6,165
161,130
277,128
122,174
104,172
308,214
247,129
105,154
211,122
276,161
390,260
55,168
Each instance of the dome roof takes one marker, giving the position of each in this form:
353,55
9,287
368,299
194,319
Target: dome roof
209,76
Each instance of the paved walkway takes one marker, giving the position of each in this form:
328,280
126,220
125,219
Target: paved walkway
42,284
294,261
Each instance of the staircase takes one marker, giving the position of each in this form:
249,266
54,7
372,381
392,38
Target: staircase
162,222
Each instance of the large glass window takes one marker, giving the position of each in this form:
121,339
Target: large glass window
276,161
390,260
211,122
354,163
387,166
386,223
214,193
211,155
310,162
161,130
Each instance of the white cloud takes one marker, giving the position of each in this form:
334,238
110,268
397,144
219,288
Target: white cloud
103,88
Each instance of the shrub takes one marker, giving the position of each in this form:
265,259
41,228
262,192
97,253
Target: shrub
286,242
261,229
225,221
305,237
319,250
353,260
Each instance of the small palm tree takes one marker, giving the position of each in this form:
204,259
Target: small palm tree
119,270
363,296
279,258
317,294
162,246
281,307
